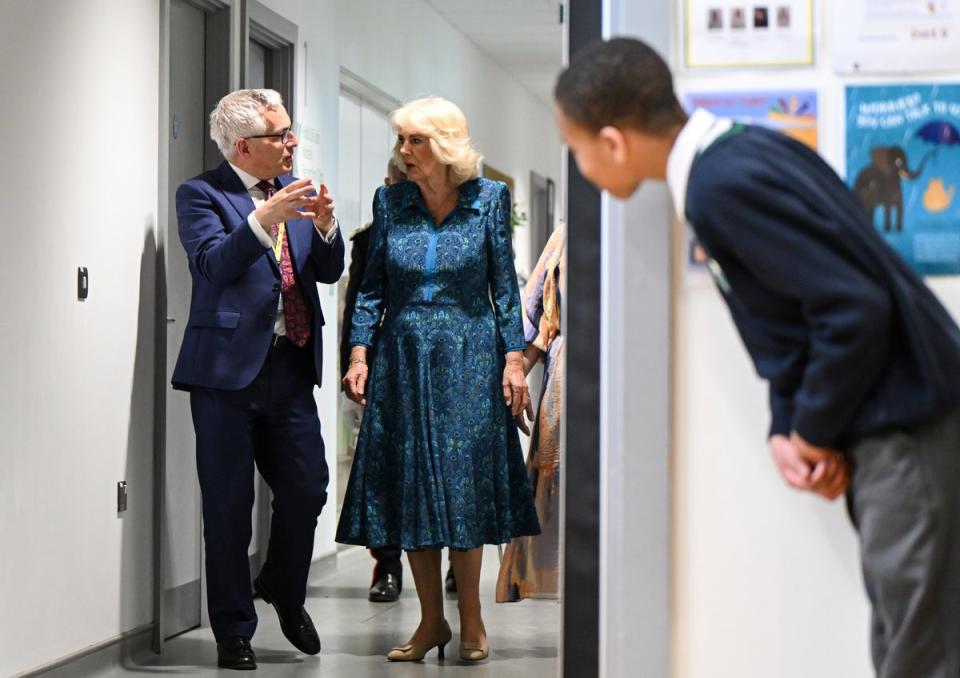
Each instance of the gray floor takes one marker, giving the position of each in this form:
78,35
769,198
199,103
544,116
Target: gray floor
356,634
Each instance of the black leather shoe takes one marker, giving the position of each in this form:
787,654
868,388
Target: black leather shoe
450,583
236,653
295,623
386,589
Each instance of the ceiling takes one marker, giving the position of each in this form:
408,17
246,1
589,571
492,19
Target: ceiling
523,36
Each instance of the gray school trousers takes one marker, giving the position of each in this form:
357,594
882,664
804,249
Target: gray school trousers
904,500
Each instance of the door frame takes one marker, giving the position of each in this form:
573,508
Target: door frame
538,240
619,425
580,552
280,36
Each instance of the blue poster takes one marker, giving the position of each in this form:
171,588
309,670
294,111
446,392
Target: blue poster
903,163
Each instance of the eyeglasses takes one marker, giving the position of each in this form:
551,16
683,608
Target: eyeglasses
285,136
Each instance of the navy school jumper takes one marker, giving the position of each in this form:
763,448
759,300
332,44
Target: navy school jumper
850,339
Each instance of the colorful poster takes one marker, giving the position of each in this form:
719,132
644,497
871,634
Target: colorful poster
734,33
903,163
895,36
792,112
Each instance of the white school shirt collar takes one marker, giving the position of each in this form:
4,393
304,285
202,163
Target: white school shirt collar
701,130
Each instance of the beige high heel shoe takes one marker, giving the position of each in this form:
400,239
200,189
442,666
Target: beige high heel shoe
474,652
414,652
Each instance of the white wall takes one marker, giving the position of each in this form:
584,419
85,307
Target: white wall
635,412
767,580
79,186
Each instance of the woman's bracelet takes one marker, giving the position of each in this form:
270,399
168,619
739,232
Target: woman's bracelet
358,361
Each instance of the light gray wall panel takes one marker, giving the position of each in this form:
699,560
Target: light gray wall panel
635,412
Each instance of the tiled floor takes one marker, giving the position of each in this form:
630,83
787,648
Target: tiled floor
356,634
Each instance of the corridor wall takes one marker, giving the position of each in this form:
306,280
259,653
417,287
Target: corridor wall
79,187
766,579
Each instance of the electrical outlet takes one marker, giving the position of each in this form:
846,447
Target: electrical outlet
121,496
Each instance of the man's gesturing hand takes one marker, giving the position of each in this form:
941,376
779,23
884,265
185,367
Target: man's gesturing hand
322,207
286,204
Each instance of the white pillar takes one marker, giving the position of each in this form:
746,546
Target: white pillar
635,406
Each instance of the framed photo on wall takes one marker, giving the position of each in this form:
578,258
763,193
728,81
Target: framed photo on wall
743,33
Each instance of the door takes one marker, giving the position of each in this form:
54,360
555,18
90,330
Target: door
269,45
198,34
364,147
182,536
256,65
541,215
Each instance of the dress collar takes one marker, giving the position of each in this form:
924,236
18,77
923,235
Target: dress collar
469,196
702,129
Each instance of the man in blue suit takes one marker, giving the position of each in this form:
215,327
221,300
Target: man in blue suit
258,242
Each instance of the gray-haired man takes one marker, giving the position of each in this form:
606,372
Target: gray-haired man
258,242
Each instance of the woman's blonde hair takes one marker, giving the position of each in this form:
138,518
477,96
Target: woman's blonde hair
445,125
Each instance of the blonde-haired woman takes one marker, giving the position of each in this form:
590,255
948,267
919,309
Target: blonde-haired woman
438,461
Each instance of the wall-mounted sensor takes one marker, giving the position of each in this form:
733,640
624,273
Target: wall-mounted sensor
83,283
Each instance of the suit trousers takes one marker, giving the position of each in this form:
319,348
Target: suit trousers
388,562
904,500
272,424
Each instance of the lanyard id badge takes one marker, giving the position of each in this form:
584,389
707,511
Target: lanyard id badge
278,245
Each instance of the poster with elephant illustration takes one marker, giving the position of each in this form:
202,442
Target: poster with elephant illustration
903,163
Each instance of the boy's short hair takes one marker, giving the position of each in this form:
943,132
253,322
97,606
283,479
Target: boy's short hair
622,81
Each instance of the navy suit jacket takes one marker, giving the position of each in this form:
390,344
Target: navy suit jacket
236,282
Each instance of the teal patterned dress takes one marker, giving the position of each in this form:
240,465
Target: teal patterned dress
438,460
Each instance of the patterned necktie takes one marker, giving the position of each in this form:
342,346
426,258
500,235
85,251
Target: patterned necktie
295,314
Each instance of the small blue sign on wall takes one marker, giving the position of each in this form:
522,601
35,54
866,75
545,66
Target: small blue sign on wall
903,163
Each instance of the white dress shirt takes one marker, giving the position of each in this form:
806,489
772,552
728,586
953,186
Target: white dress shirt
267,240
701,130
